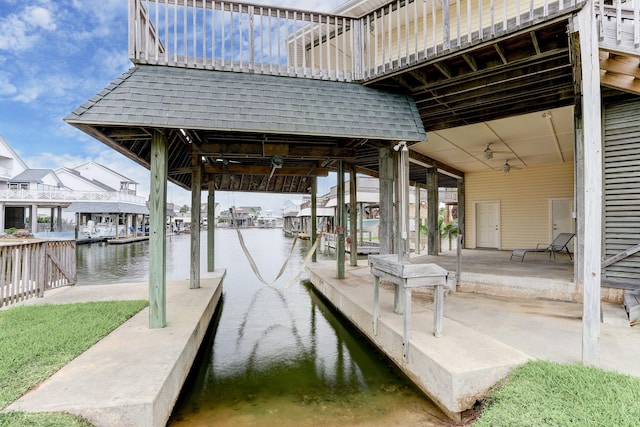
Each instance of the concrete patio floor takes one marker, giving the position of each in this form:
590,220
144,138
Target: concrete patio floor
485,336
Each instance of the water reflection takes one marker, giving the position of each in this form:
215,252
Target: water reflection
273,357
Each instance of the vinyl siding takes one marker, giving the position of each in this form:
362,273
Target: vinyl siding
524,196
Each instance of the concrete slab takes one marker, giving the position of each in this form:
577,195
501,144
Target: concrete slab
134,375
484,335
454,370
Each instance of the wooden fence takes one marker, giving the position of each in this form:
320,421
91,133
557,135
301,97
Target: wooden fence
28,269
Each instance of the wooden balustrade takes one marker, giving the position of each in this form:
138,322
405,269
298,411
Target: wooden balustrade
28,269
243,37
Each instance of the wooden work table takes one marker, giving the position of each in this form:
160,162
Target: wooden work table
408,276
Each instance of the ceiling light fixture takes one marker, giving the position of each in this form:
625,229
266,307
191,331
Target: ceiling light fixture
506,167
487,154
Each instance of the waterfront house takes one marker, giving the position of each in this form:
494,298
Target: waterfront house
96,192
529,109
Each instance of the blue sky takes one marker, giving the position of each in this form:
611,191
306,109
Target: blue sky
54,55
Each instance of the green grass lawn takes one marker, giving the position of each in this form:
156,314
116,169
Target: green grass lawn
36,341
552,394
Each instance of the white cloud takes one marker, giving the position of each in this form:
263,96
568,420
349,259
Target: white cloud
39,17
20,31
55,86
6,87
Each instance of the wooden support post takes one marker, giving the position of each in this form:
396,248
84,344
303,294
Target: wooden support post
314,215
59,218
461,228
157,238
401,170
417,219
211,227
588,72
385,161
403,204
2,215
361,223
353,217
51,219
432,212
196,196
34,219
340,222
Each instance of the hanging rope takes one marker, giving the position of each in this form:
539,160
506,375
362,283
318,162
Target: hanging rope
255,268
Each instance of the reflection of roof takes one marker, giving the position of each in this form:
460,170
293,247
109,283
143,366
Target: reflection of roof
107,207
319,212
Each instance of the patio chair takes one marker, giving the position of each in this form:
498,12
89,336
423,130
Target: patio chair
559,244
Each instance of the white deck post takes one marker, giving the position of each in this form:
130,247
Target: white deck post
590,187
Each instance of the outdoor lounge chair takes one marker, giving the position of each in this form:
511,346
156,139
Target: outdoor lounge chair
559,244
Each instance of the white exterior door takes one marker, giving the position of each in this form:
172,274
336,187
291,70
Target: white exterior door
488,225
561,217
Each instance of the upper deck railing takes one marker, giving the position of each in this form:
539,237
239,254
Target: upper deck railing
244,37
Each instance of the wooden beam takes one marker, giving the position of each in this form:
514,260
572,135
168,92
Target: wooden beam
443,69
471,61
287,151
340,223
534,40
211,227
196,195
501,53
386,200
421,159
622,255
158,232
432,212
590,185
353,218
239,169
314,216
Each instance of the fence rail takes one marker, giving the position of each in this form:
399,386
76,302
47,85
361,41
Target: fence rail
244,37
27,270
69,196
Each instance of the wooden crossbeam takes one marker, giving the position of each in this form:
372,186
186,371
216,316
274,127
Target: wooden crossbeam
236,169
291,151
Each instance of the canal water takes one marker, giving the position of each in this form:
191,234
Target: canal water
274,357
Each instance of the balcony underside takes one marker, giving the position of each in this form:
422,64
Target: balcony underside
525,72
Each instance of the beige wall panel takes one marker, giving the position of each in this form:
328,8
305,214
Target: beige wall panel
524,196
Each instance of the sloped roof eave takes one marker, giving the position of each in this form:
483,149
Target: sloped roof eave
170,97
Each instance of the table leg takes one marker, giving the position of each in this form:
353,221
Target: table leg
407,323
438,311
376,293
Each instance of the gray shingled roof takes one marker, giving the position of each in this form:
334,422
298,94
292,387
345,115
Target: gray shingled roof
216,100
35,175
107,207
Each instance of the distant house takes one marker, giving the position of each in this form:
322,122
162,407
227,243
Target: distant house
57,195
